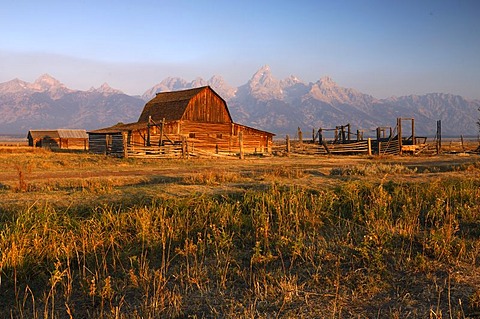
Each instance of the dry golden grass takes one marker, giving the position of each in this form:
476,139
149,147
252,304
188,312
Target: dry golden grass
87,236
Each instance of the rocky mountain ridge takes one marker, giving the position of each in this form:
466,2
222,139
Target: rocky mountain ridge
279,106
48,104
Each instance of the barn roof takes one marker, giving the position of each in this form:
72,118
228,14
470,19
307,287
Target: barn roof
60,133
171,105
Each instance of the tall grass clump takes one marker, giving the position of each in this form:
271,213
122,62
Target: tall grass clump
363,249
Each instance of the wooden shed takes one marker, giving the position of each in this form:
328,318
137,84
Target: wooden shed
196,121
58,139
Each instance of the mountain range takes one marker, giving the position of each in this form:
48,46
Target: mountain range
264,102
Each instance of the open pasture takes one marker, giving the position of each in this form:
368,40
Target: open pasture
89,236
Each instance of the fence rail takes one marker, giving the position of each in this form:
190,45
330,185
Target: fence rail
167,151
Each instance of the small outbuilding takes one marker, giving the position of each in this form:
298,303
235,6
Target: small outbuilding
58,139
193,121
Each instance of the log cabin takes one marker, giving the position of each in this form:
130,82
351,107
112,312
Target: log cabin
58,139
194,121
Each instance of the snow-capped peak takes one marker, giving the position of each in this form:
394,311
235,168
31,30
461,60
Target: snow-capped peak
13,86
264,86
46,82
290,81
327,82
105,89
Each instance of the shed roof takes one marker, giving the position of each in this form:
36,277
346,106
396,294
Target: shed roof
59,133
171,105
119,127
64,133
43,133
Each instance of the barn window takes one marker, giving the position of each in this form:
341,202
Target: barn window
219,135
192,135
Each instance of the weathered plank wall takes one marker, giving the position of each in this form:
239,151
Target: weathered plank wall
97,143
73,143
207,107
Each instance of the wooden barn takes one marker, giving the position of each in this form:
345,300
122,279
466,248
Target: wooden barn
188,122
58,139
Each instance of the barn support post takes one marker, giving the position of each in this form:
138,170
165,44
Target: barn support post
288,145
106,144
240,142
125,144
148,130
369,146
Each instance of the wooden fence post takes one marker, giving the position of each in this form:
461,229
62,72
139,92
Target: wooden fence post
300,136
414,141
125,144
439,136
184,147
240,142
288,145
399,131
313,136
369,146
160,140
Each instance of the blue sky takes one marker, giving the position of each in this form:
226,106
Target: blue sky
382,48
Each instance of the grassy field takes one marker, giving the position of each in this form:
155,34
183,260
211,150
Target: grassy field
87,236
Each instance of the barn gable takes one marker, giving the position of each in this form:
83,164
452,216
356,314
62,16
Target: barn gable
198,105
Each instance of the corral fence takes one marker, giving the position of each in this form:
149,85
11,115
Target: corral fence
387,141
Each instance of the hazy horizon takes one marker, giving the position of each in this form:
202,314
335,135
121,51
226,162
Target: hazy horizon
381,48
